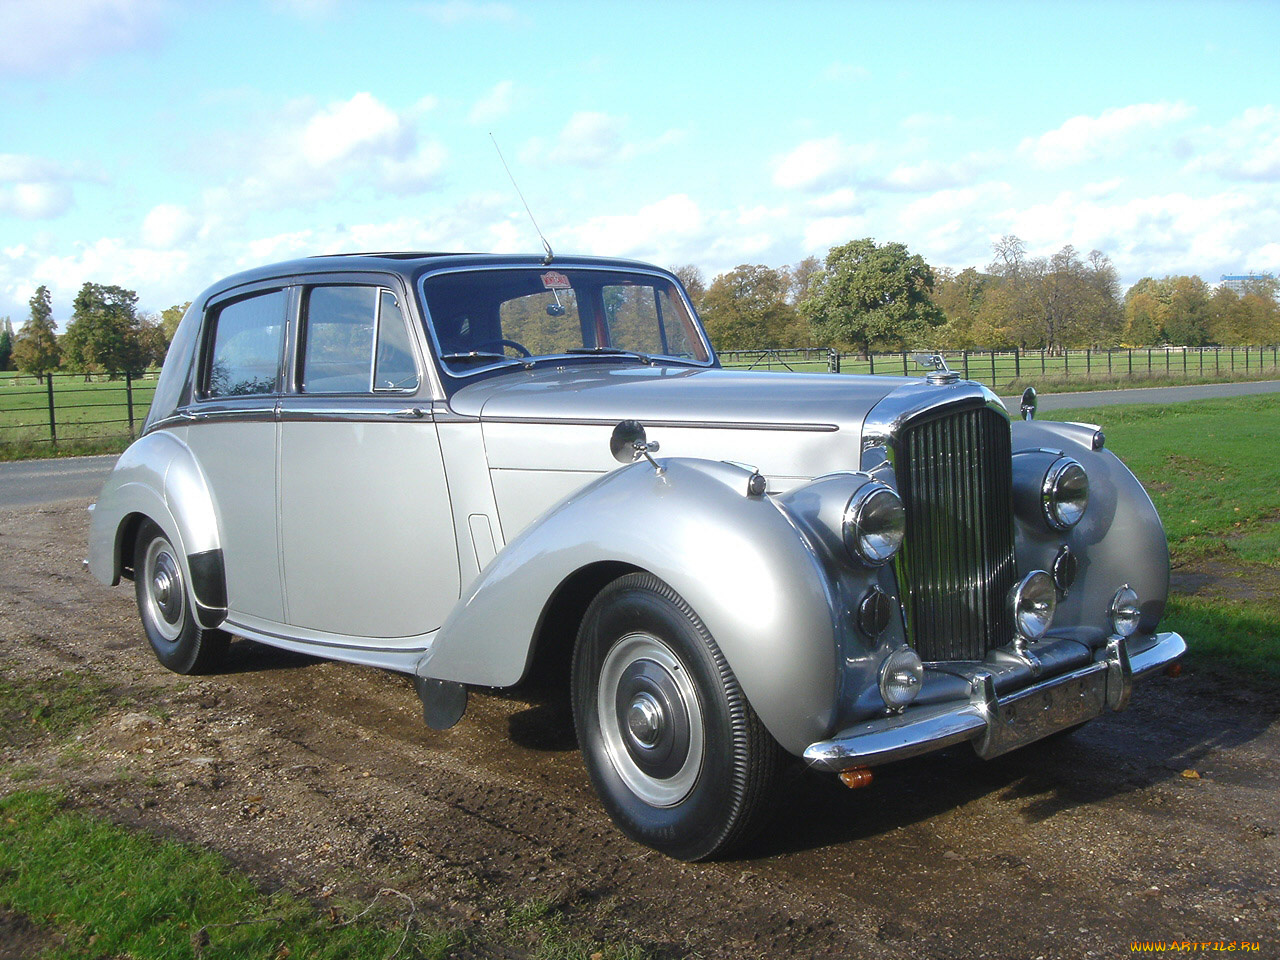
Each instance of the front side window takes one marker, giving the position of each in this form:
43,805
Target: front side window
246,346
354,341
484,318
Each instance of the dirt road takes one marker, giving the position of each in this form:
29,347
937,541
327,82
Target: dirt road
1156,824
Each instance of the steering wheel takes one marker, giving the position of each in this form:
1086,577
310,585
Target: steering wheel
520,348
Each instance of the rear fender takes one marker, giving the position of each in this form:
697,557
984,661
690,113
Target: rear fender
158,478
736,559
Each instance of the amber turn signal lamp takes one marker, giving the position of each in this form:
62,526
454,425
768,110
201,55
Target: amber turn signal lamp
855,777
1174,669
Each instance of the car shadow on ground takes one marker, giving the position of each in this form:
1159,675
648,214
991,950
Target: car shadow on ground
1171,738
246,656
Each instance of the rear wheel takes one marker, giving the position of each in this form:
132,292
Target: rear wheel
679,759
164,603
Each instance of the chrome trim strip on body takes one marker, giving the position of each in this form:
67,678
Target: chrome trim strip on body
401,659
670,424
323,413
993,723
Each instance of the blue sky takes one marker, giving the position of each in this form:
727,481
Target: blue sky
161,145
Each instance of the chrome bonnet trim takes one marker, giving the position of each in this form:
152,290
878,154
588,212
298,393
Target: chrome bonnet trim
885,420
670,424
995,724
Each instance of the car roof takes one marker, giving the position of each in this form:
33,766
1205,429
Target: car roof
410,265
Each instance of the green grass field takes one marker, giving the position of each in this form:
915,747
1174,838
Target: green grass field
1211,470
88,417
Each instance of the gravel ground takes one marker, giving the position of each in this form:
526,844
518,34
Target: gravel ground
1157,824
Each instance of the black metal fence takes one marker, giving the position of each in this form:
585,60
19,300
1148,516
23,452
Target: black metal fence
63,408
67,408
1000,368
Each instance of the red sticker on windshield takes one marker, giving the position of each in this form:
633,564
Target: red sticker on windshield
555,281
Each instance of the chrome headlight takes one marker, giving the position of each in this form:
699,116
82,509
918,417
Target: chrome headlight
1033,601
900,678
1125,612
874,523
1064,493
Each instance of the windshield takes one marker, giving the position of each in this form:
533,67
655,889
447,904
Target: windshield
480,318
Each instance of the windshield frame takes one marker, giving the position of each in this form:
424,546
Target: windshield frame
454,378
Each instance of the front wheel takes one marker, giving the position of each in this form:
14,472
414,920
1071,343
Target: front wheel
179,642
679,759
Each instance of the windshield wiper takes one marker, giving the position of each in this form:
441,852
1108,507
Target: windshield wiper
611,352
477,356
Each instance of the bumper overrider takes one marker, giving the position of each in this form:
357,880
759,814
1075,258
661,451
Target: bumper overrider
995,724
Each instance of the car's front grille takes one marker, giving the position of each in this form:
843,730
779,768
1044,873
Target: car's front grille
957,565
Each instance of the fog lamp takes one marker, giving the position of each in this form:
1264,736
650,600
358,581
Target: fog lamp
1125,612
874,523
900,678
1033,601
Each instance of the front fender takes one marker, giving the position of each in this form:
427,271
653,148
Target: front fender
1119,540
158,478
736,559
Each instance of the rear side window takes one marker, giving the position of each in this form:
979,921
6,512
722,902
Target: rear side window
354,341
246,346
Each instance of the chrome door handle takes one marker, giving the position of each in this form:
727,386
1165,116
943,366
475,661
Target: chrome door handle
410,413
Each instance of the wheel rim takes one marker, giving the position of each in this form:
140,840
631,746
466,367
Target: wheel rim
650,719
165,594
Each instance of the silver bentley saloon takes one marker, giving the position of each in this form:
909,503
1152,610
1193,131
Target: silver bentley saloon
469,467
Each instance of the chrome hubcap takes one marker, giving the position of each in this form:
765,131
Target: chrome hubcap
166,596
651,719
645,720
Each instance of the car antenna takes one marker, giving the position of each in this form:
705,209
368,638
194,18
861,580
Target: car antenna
545,246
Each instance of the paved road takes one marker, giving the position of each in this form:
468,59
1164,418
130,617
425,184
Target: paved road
1098,398
29,482
25,483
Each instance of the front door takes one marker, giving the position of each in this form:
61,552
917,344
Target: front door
366,529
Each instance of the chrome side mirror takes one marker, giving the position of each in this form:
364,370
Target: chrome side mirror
628,444
1029,403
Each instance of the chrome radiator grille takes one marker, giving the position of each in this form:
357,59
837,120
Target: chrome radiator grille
957,565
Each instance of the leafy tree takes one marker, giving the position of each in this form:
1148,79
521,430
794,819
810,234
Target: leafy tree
105,331
870,294
1145,312
1187,321
35,348
6,343
690,278
747,309
802,277
170,317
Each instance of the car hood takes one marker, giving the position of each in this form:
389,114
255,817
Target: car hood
670,395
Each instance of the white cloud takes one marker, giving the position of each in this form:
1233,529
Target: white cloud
842,201
493,105
43,37
593,139
1085,138
362,125
1247,148
453,12
823,164
823,233
35,188
168,226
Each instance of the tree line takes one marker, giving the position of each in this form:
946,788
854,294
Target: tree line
870,297
863,296
106,335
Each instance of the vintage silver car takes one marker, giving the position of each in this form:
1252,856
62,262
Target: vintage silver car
411,461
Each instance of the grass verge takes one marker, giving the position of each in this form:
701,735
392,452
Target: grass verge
110,892
1209,469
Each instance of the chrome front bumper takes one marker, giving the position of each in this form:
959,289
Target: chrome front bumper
996,725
